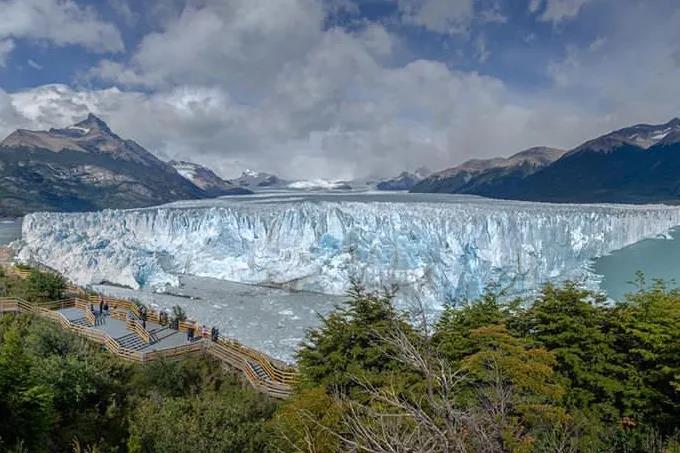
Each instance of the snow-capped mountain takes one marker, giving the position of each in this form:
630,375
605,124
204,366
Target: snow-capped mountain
405,181
83,167
207,180
90,136
642,136
259,180
638,164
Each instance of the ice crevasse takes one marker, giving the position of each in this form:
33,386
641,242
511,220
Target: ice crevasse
435,250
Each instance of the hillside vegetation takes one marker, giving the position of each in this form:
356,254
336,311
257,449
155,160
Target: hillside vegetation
565,372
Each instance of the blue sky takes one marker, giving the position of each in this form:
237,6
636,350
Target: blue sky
340,88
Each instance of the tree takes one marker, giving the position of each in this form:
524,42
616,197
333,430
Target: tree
453,329
26,404
44,286
349,345
646,327
518,381
226,421
575,325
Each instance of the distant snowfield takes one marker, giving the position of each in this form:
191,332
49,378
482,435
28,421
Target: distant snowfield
317,184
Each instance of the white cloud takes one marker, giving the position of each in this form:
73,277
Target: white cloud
6,48
241,43
557,10
481,50
60,22
34,64
535,5
261,84
632,77
440,16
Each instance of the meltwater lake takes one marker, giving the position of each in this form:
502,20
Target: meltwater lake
657,258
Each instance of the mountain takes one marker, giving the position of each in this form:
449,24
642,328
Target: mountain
83,167
254,180
489,177
638,164
207,180
405,181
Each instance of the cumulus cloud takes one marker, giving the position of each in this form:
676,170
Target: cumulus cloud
267,84
60,22
241,43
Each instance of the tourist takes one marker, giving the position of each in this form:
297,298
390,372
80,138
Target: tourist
204,331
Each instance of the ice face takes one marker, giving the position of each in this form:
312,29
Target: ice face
434,247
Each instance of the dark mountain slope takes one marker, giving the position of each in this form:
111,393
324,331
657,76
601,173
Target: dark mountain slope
489,177
83,167
640,164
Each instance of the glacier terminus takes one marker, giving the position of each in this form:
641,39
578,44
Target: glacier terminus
440,247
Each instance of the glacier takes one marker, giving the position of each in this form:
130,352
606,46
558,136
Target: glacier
431,247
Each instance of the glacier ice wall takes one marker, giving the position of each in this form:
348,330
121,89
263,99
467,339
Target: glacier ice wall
437,250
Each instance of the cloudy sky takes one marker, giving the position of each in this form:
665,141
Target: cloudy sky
340,88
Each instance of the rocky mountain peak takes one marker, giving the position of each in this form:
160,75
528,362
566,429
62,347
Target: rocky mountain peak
643,136
93,122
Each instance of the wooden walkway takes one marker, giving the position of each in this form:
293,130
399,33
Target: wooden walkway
264,373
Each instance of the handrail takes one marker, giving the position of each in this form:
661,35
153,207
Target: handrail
233,355
276,380
91,318
137,328
272,371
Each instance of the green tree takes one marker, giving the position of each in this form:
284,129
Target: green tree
225,421
647,332
26,404
457,321
575,325
44,286
349,345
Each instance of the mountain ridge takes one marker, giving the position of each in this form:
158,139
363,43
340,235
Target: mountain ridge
206,179
83,167
635,164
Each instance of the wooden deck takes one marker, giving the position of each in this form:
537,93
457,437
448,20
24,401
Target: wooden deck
122,334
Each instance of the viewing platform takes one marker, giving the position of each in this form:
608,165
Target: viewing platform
141,335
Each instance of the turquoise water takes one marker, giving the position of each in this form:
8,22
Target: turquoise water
656,258
10,230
